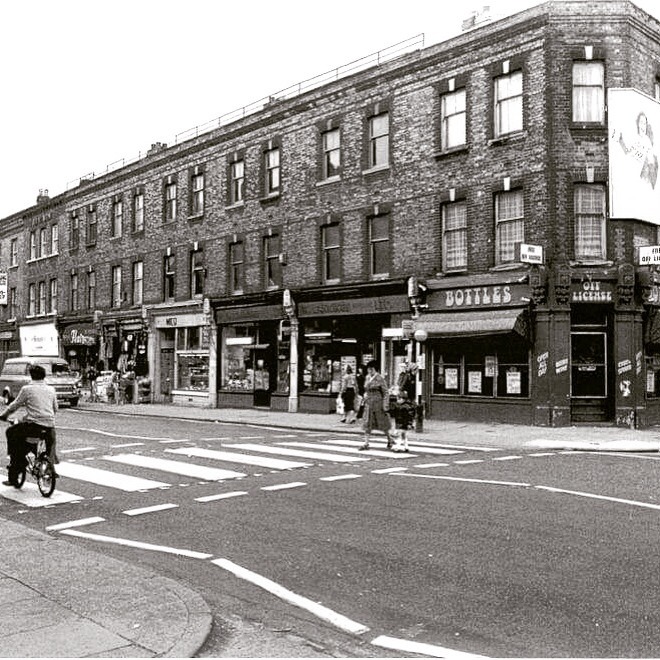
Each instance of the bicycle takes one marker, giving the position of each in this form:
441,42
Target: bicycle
39,465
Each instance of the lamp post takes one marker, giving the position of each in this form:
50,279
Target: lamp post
420,337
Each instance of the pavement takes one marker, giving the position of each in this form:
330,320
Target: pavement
61,600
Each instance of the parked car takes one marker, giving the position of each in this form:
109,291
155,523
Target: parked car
15,374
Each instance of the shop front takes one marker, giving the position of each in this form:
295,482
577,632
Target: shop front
10,345
254,347
347,332
183,357
80,343
478,347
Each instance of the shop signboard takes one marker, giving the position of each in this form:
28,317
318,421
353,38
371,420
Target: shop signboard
478,297
40,339
649,254
592,291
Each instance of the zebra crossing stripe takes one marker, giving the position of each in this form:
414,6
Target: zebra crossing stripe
266,449
349,450
216,455
30,496
176,467
107,478
422,449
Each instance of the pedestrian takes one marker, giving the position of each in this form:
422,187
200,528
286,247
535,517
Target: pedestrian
376,396
92,375
348,391
359,378
116,388
403,413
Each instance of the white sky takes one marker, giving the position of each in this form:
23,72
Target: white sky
85,83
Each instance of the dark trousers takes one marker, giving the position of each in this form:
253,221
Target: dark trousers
18,446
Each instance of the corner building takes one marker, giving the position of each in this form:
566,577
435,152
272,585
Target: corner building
486,206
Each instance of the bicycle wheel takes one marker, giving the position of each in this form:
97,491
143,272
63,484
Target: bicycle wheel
45,477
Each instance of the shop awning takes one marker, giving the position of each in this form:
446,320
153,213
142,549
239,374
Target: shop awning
474,323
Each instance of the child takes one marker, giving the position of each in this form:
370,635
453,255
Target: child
403,413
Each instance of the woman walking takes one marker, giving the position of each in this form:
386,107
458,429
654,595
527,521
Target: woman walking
348,388
375,417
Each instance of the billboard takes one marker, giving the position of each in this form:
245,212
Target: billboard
39,340
634,150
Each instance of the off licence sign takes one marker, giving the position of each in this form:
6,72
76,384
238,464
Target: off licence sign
649,255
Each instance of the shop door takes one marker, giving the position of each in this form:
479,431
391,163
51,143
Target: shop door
166,371
263,365
590,391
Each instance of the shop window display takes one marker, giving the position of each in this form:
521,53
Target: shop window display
481,367
237,362
192,359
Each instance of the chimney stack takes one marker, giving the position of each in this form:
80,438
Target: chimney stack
43,197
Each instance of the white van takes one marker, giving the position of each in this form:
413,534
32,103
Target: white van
15,373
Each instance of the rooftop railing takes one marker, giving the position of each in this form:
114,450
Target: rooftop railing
373,59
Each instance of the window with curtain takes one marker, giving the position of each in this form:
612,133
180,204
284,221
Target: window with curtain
32,299
454,236
272,157
237,175
138,212
272,265
42,298
453,120
588,92
54,239
91,227
589,204
117,218
52,298
170,202
508,104
74,292
197,201
196,273
169,275
138,282
116,286
509,225
91,290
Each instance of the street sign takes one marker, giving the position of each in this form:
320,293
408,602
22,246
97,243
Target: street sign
530,254
649,254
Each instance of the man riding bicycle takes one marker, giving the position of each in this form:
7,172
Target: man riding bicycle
40,403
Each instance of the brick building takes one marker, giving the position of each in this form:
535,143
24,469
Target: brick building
381,215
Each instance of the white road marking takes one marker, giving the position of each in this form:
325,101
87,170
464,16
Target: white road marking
543,453
507,458
469,461
289,435
339,477
112,434
221,496
474,481
645,505
136,544
216,455
386,470
128,444
346,450
30,496
74,523
298,453
429,650
175,467
293,484
150,509
106,478
413,447
322,612
431,465
423,445
167,442
71,451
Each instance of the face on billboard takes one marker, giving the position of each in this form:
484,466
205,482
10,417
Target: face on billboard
634,132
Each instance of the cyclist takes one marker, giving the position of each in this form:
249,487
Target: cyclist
40,403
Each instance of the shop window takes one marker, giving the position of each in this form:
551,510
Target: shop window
653,374
482,367
192,359
238,357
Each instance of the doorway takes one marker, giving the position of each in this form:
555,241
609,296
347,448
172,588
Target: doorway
592,394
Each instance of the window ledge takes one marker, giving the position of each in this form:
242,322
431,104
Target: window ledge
13,266
380,276
378,168
328,181
197,217
509,137
588,126
443,153
508,266
268,199
235,205
137,232
90,245
591,262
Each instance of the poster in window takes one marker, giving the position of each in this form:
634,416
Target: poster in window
513,382
650,381
489,366
451,378
474,382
